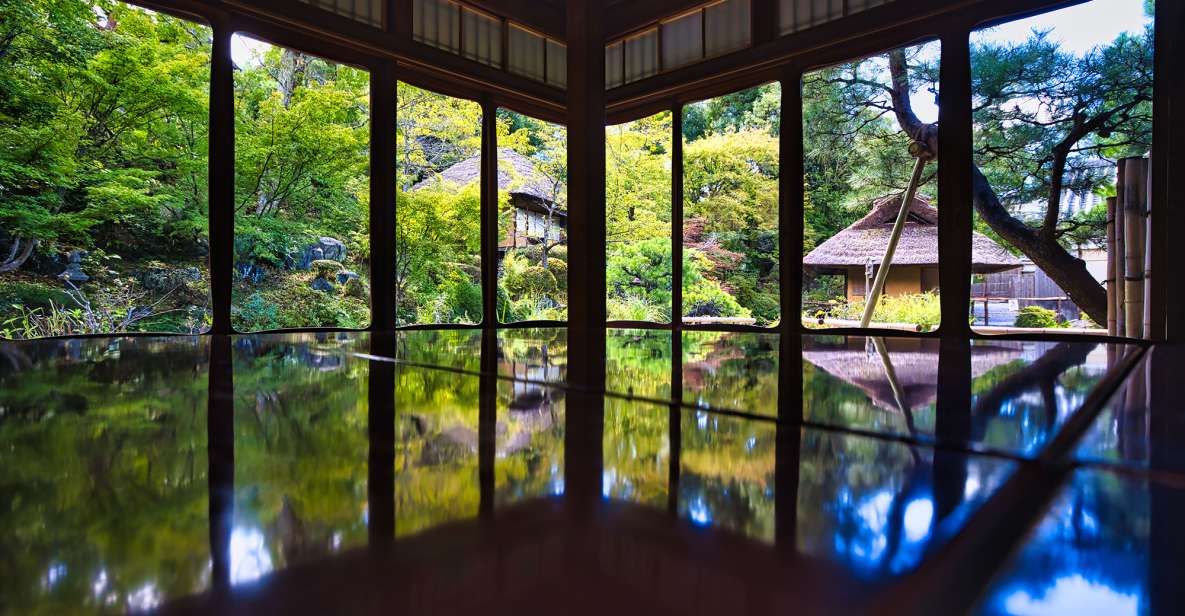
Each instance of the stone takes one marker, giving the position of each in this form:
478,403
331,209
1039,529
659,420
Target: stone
74,273
249,272
164,279
320,284
345,276
325,248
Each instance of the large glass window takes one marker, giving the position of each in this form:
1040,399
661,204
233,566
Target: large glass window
103,198
532,219
1063,121
638,229
302,190
730,208
866,125
438,216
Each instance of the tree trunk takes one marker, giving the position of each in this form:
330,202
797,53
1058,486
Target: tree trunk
1067,271
19,253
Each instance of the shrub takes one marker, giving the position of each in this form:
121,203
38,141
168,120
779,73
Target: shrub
635,308
1036,316
922,309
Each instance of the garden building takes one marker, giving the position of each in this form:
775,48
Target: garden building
856,251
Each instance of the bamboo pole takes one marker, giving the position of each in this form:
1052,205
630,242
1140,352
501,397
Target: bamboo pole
1111,316
1120,304
1134,196
878,285
1147,203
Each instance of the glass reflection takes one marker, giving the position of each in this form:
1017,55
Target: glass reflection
528,442
638,363
450,348
103,450
1122,432
878,507
731,371
637,452
1088,555
1022,392
300,450
726,473
436,448
539,354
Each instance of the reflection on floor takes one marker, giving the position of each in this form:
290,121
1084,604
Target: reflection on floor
434,471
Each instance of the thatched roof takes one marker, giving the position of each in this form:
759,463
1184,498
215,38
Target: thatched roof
867,239
915,364
517,175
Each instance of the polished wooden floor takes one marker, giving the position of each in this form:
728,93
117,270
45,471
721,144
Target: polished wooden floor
437,471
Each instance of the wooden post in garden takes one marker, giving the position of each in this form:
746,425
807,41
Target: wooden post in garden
1120,304
1134,198
1111,311
1148,248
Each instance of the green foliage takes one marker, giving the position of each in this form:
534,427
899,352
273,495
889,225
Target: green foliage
1036,316
923,309
326,268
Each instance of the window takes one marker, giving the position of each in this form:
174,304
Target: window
302,190
532,220
437,219
730,208
103,201
1062,126
638,229
859,131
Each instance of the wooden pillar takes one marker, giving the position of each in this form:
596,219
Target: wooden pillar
1167,296
586,191
954,184
791,202
677,217
382,197
222,178
1134,198
1120,252
489,215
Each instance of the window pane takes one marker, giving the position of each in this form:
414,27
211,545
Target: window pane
302,190
638,229
1059,110
730,208
683,40
437,221
103,198
532,219
858,168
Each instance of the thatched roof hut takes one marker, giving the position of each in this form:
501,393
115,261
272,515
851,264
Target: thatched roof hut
866,240
517,175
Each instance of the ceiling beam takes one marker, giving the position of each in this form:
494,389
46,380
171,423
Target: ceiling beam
625,16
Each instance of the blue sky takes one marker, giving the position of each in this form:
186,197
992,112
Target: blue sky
1076,29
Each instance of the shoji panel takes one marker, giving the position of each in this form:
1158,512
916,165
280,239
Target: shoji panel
557,64
614,67
683,40
526,53
482,37
795,15
727,26
641,55
437,23
366,11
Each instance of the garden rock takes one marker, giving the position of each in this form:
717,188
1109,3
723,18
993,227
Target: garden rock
325,248
161,279
345,276
320,284
249,272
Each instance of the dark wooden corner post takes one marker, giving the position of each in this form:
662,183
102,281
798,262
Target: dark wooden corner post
222,178
586,191
954,183
676,218
489,215
1168,164
791,202
586,247
382,196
